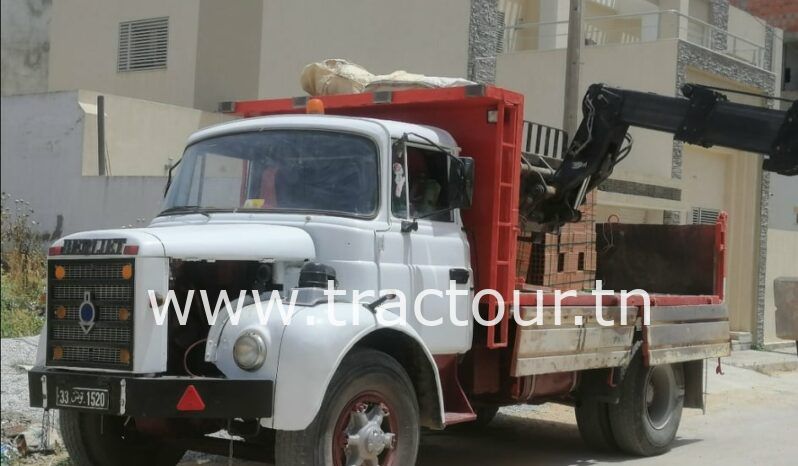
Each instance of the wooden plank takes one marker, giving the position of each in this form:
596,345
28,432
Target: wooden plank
689,353
542,342
687,334
567,363
705,312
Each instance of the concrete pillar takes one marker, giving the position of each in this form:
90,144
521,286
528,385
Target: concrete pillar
719,17
485,30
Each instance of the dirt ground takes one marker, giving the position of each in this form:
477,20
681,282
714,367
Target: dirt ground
751,419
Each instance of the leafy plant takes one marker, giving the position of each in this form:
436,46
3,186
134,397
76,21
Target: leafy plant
23,269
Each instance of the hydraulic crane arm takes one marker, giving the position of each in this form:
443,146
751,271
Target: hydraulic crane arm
705,117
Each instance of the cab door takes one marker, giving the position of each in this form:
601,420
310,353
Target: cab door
432,251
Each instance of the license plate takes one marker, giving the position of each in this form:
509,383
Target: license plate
79,397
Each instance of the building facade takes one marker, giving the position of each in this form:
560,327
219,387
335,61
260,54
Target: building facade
196,54
658,47
199,53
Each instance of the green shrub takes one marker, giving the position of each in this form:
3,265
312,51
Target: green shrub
23,278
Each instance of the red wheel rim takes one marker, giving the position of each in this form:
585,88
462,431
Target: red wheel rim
365,401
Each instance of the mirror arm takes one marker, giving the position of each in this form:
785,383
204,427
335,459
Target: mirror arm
409,225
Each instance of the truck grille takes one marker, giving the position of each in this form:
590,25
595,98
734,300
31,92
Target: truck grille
104,289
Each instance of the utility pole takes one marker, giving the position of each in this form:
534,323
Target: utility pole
572,57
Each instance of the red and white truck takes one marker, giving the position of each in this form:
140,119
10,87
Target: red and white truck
411,193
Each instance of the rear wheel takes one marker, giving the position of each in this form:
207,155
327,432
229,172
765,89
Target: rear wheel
94,439
593,420
369,417
647,417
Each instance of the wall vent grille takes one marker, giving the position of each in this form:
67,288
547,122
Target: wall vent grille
143,44
705,216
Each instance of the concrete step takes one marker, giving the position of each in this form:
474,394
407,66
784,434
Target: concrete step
741,341
765,362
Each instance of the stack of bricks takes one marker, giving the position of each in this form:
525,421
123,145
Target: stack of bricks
565,261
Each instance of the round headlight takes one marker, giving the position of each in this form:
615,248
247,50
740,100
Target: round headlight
249,351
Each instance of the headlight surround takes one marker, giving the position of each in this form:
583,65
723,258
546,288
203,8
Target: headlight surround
249,351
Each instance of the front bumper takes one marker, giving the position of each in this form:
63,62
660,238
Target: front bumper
140,396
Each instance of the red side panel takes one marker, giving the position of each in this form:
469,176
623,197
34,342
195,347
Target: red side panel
486,122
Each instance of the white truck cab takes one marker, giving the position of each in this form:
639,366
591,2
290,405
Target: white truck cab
252,203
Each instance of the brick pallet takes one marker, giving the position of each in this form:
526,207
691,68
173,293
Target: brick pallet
566,260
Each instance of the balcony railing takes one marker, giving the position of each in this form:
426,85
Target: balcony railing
634,28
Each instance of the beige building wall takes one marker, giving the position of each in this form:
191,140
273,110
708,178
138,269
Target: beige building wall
84,37
141,137
729,180
228,52
538,75
381,35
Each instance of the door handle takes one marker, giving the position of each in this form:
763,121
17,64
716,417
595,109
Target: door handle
459,276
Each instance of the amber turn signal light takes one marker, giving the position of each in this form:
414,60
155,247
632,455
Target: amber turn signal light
60,272
58,352
127,271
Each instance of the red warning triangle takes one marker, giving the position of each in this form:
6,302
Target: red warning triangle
191,400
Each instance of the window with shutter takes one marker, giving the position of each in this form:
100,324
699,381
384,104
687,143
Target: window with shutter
705,216
143,44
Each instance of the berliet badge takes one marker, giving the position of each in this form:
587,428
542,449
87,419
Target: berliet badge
87,313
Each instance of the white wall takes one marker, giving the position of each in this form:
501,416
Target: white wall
41,152
783,205
381,35
25,45
49,157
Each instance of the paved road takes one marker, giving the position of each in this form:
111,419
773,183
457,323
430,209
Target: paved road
752,418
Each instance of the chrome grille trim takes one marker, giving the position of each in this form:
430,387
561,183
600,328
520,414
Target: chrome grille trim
99,292
101,343
104,313
93,270
102,334
89,354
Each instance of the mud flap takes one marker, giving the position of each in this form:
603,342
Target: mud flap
694,384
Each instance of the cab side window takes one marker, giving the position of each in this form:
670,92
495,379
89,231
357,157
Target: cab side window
421,182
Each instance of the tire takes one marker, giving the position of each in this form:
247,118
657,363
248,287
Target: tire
366,381
593,420
98,440
485,415
647,417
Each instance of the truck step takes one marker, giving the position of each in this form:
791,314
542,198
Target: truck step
458,418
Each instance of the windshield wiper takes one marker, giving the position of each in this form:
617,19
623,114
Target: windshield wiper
185,209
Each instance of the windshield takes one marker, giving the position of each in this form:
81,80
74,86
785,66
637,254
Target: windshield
278,170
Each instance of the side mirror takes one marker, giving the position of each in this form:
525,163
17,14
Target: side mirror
461,182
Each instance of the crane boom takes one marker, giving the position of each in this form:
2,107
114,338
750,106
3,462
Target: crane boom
704,117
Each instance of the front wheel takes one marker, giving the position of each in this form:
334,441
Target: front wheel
369,417
647,417
98,440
